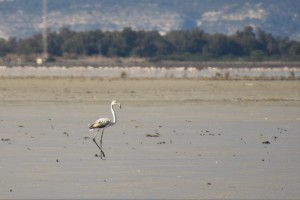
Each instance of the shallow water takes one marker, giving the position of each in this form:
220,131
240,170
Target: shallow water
204,151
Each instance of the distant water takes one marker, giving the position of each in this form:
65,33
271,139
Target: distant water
150,72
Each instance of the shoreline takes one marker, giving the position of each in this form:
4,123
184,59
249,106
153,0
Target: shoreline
138,72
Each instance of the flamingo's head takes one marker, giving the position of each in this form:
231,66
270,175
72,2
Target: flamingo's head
114,102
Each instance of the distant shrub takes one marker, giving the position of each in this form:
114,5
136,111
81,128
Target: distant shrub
123,75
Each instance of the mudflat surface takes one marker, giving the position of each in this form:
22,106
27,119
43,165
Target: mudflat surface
217,139
146,91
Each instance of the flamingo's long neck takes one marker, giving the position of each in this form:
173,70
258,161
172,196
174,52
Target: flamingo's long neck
113,114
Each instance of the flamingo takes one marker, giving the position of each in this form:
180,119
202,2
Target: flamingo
103,123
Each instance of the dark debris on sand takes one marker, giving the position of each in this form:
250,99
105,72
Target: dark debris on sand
67,134
153,135
266,142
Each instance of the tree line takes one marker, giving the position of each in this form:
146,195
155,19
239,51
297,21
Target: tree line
195,44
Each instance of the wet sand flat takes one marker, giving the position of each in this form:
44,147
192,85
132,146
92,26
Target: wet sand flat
213,139
146,91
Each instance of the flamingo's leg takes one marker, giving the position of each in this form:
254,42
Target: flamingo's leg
101,152
101,144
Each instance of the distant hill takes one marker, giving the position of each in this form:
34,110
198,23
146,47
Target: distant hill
23,18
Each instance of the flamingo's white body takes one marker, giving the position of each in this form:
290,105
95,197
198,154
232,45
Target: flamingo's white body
103,123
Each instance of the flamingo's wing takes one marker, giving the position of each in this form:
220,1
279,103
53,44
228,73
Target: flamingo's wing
100,123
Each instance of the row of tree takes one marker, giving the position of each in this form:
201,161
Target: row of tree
175,45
